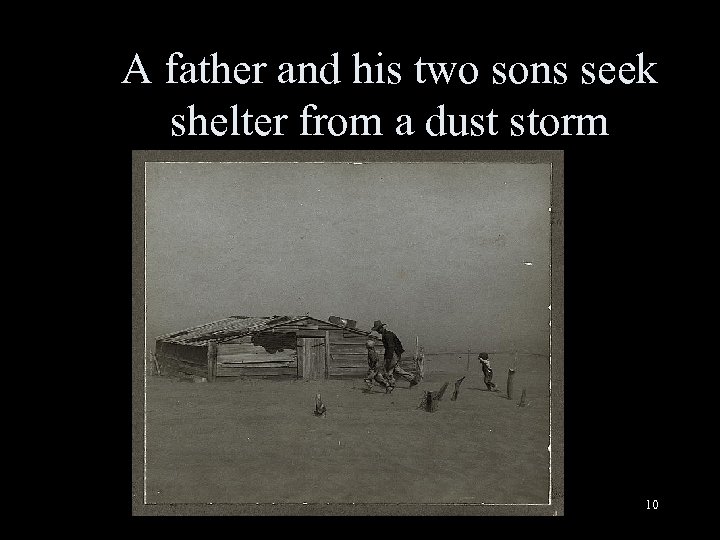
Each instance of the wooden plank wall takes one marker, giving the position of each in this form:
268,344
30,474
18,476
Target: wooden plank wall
241,357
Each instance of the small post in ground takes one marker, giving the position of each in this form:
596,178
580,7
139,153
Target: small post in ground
430,400
320,408
420,363
457,389
511,374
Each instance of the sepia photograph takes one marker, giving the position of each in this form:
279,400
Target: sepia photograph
348,333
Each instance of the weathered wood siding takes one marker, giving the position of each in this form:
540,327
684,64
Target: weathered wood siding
176,359
272,352
261,354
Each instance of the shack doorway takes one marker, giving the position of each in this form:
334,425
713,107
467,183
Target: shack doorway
311,358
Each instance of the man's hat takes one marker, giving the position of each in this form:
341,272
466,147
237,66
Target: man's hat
377,326
483,355
369,343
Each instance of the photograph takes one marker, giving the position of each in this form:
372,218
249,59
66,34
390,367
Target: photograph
329,333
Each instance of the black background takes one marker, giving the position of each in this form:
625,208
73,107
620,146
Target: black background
622,245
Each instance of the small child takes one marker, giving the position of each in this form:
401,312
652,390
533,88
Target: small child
373,369
487,371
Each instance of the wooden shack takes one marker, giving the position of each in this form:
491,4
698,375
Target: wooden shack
303,347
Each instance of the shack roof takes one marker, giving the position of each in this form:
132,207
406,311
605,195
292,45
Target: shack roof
239,326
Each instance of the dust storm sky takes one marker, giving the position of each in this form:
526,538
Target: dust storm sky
435,250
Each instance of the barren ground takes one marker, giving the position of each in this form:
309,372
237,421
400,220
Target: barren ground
256,440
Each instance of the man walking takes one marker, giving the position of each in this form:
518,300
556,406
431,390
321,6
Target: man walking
393,355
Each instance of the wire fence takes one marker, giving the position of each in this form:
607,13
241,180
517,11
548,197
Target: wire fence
460,361
476,352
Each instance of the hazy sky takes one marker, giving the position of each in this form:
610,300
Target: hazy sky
436,250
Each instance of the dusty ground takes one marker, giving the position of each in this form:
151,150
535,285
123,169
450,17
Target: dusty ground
256,440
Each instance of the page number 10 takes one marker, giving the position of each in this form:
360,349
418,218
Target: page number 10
652,504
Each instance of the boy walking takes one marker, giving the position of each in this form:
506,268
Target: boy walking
487,371
373,373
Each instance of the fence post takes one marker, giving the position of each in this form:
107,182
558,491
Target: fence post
320,409
511,374
430,399
420,363
457,389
